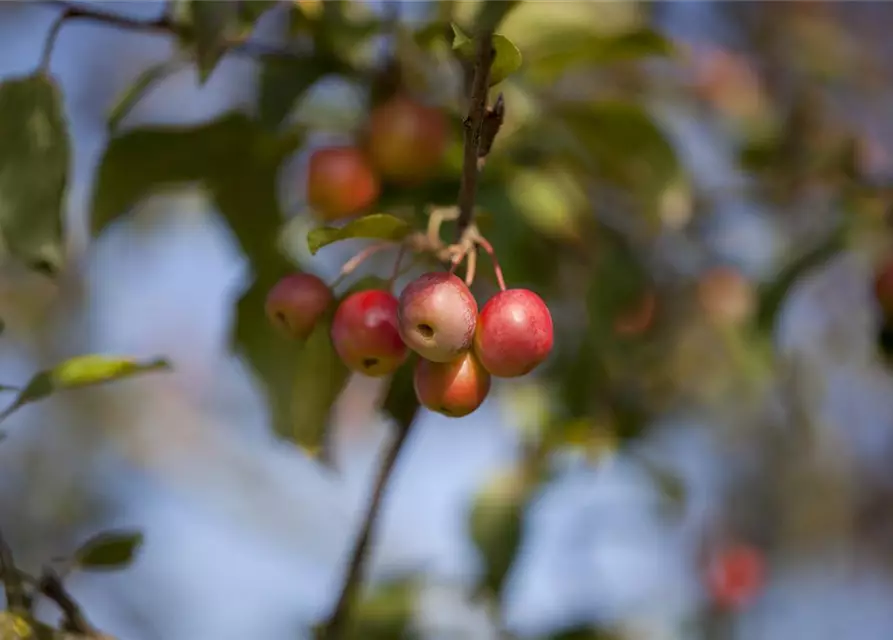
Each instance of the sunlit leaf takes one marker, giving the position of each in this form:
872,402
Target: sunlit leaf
570,48
378,226
109,550
35,157
506,61
144,83
386,612
620,140
81,371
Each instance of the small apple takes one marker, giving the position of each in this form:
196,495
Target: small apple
365,335
453,389
296,303
406,140
340,183
514,333
437,316
883,287
726,296
735,576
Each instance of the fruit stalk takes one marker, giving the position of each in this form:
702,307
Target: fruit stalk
336,626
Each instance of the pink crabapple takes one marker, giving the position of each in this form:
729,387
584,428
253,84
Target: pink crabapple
437,316
296,303
514,333
365,335
454,389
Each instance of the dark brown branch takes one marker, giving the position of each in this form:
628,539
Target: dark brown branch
16,598
50,586
337,625
483,59
163,25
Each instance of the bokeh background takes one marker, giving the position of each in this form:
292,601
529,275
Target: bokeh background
706,242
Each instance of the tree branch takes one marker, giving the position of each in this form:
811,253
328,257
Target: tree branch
16,598
50,586
337,624
477,110
163,25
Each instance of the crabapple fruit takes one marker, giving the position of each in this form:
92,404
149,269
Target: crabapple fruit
726,296
406,139
340,182
365,335
735,576
453,389
883,287
437,315
297,302
514,333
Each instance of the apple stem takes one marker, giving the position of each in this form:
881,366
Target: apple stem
497,270
351,265
396,271
470,266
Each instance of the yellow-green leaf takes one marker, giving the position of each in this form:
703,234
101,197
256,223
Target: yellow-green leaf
81,371
506,61
378,226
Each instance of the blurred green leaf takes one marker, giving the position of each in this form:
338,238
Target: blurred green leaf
773,294
400,402
507,59
215,25
284,81
81,371
378,226
619,141
496,524
570,48
35,157
386,612
491,14
319,378
144,83
109,550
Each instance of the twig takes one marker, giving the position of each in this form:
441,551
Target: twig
337,625
50,586
163,25
16,598
468,186
351,265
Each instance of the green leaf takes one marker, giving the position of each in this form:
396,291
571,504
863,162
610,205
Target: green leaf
496,525
491,14
35,157
81,371
386,612
144,83
506,61
401,402
567,49
215,23
773,294
319,379
378,226
617,140
284,81
109,550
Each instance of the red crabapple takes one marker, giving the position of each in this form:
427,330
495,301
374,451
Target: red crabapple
883,287
406,139
340,183
735,576
454,389
296,303
364,333
514,333
437,316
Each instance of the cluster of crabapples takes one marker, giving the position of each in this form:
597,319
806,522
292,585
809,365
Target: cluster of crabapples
459,348
403,142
